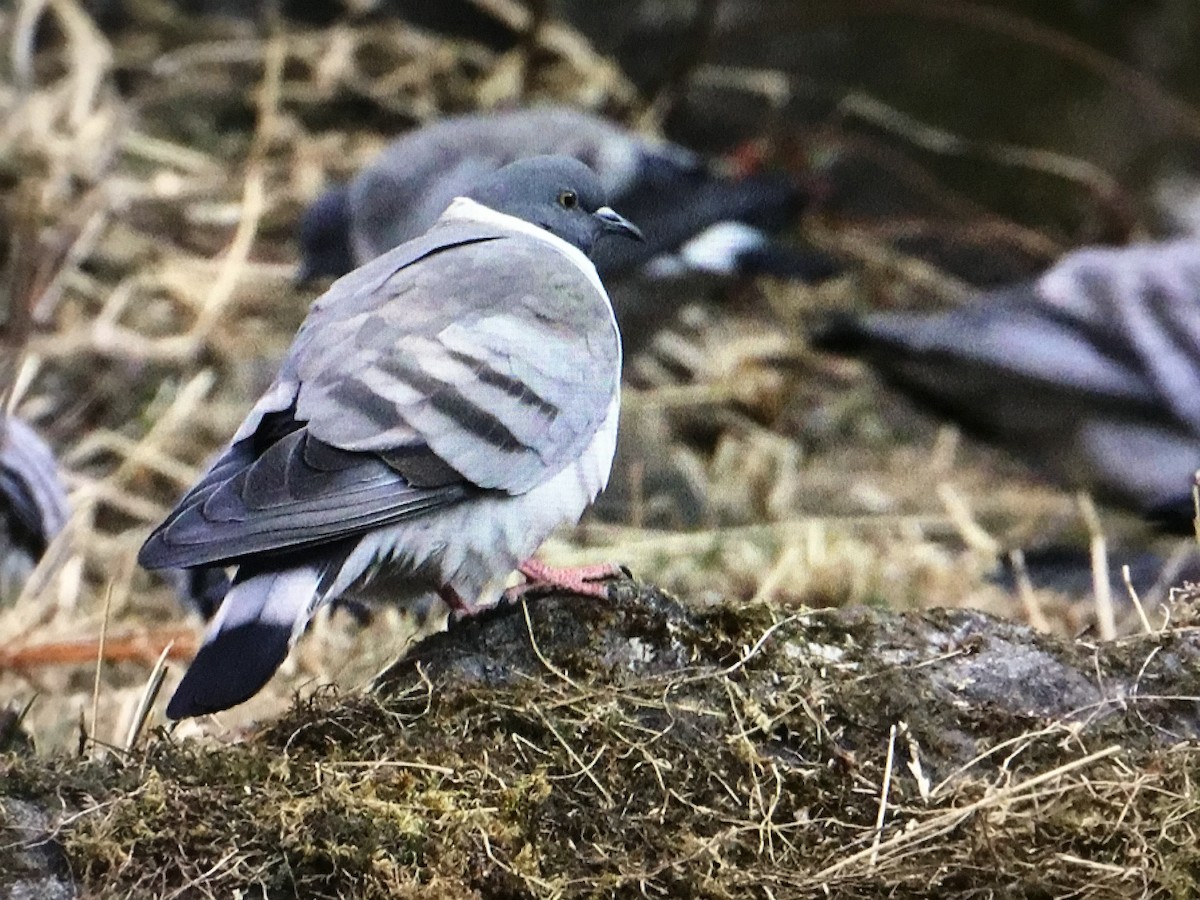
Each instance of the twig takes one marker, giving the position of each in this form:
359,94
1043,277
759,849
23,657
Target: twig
24,35
972,533
91,58
149,695
524,876
390,764
744,658
584,768
564,41
100,659
1030,603
691,48
626,543
1101,587
791,559
940,141
531,36
1136,600
537,651
884,788
1196,505
1149,93
137,647
183,407
931,827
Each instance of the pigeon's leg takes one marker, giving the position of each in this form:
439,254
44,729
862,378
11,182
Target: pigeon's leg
459,608
587,581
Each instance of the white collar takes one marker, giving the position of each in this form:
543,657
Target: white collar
464,208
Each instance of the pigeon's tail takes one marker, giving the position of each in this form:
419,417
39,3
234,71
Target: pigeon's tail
248,639
769,200
20,510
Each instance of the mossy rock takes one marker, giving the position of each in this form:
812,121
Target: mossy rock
579,748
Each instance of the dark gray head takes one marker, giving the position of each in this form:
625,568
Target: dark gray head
558,193
325,237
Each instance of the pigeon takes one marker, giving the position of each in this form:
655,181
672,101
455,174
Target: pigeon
1091,373
695,219
442,409
33,503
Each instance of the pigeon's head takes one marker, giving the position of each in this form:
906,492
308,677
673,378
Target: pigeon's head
325,237
558,193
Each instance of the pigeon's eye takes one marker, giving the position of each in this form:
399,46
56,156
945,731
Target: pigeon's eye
568,200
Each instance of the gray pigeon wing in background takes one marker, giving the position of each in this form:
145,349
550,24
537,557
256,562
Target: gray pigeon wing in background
41,503
1090,373
477,393
33,502
392,204
1146,298
667,188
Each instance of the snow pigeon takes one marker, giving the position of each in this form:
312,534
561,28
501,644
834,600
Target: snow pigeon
1091,373
33,503
694,218
441,410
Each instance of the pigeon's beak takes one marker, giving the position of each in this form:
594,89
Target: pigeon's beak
615,223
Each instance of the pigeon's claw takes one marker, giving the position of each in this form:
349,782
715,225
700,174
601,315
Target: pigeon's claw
586,581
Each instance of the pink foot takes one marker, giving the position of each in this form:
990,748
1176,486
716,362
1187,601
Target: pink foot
587,581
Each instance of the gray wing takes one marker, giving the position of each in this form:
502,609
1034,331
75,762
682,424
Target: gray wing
392,204
502,358
1146,300
1008,333
1110,324
32,489
409,387
1090,372
299,493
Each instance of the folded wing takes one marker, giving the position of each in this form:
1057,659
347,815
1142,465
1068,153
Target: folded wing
429,384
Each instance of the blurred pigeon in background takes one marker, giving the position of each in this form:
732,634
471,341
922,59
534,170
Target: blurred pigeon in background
694,218
1091,373
33,503
429,444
